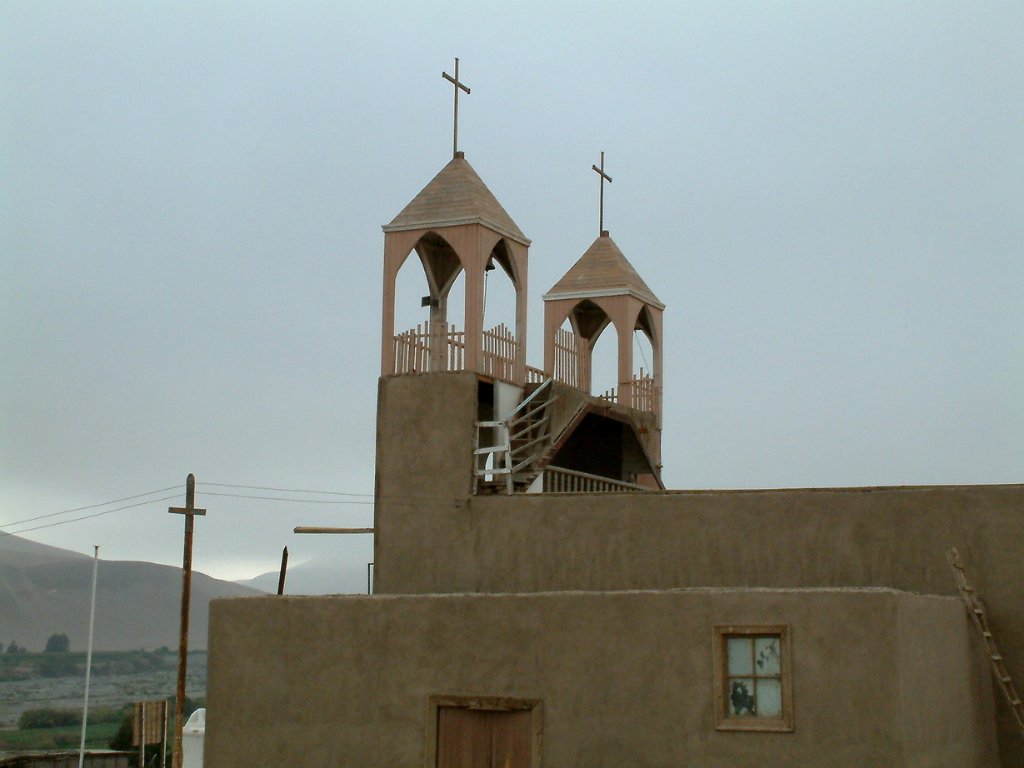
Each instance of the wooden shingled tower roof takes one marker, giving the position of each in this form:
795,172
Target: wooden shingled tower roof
602,271
457,195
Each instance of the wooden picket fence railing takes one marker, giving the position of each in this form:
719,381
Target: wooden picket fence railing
412,350
535,375
644,393
500,348
570,359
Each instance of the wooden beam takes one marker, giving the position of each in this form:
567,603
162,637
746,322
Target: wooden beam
312,529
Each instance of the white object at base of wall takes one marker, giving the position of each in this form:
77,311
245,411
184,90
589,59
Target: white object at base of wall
192,740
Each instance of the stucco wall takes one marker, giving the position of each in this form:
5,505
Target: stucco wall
624,678
859,537
932,641
425,436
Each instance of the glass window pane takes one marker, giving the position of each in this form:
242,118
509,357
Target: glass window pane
741,697
767,656
769,698
740,650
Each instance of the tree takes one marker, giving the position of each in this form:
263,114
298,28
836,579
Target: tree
58,644
15,648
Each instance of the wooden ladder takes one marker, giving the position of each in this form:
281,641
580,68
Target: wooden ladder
977,613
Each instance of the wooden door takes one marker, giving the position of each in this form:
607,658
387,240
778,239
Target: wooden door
482,738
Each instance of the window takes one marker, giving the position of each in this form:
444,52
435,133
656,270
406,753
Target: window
753,683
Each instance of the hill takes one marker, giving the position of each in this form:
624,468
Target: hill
313,577
45,590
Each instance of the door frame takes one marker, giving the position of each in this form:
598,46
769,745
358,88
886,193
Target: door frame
488,703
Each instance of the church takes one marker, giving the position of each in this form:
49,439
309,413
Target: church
541,599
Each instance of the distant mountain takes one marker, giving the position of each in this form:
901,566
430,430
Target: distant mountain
313,577
45,590
22,552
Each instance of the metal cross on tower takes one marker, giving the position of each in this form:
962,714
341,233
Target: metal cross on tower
458,85
604,177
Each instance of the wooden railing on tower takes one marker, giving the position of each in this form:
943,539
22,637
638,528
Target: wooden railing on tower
500,348
644,393
413,350
570,359
535,375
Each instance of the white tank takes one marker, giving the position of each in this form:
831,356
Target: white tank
192,740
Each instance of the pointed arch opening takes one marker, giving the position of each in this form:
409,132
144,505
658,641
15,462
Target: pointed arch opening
600,369
424,339
571,358
500,310
410,288
604,364
645,365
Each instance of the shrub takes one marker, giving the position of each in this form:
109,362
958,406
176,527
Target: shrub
49,718
57,666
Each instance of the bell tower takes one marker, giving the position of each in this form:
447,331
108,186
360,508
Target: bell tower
602,290
455,225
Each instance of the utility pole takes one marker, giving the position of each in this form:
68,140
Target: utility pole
189,511
284,571
88,655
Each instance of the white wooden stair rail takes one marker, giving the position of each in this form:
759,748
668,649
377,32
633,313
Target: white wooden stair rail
523,429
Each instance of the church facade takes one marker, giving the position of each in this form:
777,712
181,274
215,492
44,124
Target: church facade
540,598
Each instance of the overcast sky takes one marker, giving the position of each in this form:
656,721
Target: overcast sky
828,197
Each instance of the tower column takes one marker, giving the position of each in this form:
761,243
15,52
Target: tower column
519,260
475,262
397,247
625,375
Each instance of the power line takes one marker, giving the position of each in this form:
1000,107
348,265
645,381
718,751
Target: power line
395,500
282,498
409,498
282,490
359,499
87,517
93,506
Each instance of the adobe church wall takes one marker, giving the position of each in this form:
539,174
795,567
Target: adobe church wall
625,680
425,435
434,537
890,537
930,640
887,537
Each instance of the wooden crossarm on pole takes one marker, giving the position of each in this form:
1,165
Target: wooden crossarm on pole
315,529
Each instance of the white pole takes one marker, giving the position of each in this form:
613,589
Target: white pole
88,656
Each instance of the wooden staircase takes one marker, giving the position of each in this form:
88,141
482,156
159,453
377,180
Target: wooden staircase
520,440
